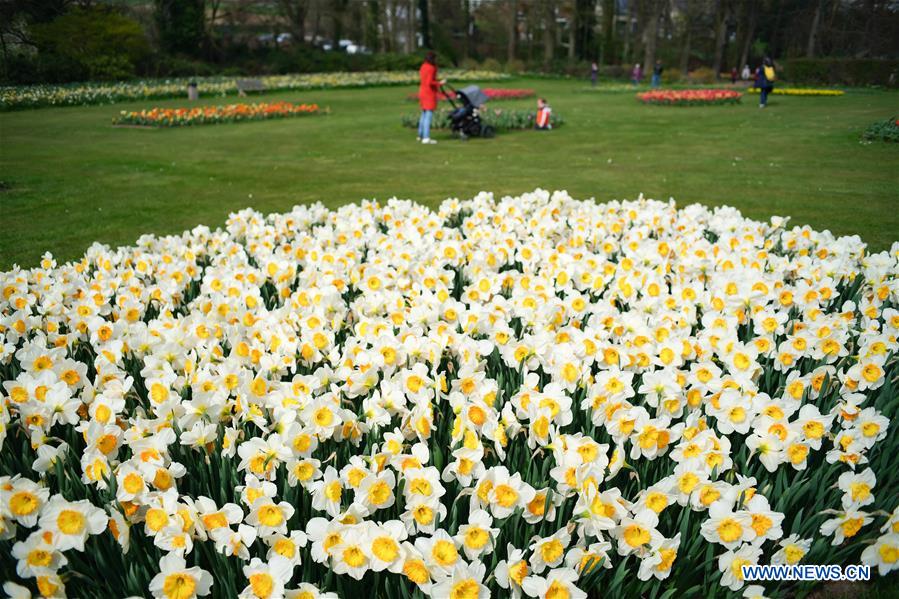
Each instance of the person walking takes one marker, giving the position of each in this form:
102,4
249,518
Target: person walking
594,73
427,96
767,76
657,74
746,74
636,74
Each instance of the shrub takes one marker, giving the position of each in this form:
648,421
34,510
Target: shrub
469,63
614,71
498,118
672,75
887,130
491,64
702,75
90,43
841,71
515,66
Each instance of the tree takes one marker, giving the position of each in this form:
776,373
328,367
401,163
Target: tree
294,12
424,23
90,43
549,31
181,25
372,27
338,9
512,21
813,31
688,16
747,32
608,31
466,36
585,37
722,16
651,32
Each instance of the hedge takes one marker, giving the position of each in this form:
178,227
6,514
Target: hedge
841,71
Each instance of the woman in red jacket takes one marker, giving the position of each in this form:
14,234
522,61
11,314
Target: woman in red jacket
427,96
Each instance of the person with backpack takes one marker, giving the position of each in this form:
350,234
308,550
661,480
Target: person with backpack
767,76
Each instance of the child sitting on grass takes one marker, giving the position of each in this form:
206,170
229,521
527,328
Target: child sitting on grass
543,115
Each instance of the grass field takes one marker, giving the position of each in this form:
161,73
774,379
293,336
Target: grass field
69,178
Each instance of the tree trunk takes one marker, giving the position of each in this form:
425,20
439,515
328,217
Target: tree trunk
813,33
549,33
466,40
688,37
629,23
316,25
513,30
749,31
585,36
650,33
295,13
337,10
372,21
410,27
574,30
425,23
608,31
721,17
389,37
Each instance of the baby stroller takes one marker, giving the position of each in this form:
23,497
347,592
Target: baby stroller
465,118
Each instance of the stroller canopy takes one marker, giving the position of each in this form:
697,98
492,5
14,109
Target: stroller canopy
474,95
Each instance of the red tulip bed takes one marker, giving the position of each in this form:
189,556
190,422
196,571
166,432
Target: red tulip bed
690,97
492,93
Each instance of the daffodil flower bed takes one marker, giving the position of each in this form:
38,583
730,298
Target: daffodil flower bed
213,115
800,91
690,97
501,119
529,396
81,94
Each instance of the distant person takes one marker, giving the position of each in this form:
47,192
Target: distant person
544,112
733,76
766,78
637,74
746,74
594,73
657,74
427,96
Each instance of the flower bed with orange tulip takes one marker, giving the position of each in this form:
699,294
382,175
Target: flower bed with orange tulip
491,93
213,115
690,97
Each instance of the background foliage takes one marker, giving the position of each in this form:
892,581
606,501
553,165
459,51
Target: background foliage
204,37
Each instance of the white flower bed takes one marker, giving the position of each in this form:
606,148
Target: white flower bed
529,396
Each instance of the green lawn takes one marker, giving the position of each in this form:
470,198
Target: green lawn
69,178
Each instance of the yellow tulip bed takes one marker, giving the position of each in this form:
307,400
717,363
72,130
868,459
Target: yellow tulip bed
509,397
799,91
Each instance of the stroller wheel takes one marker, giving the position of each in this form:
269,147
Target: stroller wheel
488,131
